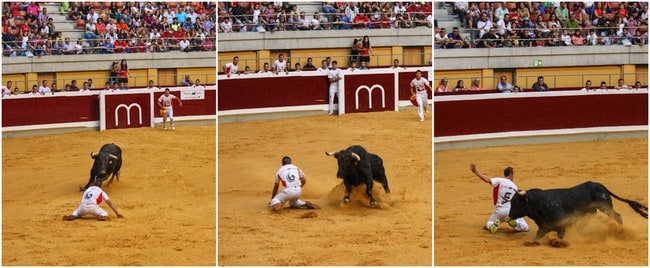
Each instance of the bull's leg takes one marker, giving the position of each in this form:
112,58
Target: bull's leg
92,178
609,211
369,192
384,182
348,190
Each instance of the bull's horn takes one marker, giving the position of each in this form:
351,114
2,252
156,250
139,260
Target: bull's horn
521,192
330,153
93,154
112,156
356,156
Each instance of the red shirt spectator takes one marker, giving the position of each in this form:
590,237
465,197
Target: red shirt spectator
361,21
178,35
120,45
15,9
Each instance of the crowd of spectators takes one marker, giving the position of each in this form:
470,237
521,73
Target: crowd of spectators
539,24
121,27
282,16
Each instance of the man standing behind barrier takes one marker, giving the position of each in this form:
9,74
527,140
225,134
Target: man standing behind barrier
418,89
231,67
166,109
334,76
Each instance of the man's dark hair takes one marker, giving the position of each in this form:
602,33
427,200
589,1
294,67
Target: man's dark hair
508,171
286,160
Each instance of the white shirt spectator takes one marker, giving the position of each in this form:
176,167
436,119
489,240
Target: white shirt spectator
279,66
566,39
226,25
315,24
502,26
484,26
92,17
44,90
183,44
169,16
193,16
6,91
397,9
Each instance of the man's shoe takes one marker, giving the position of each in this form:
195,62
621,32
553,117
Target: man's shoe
495,226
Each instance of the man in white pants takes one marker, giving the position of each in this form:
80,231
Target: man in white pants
419,87
334,75
92,197
504,189
165,104
292,179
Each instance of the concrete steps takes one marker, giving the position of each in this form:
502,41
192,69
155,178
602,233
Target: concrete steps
61,24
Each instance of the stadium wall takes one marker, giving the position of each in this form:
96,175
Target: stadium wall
501,58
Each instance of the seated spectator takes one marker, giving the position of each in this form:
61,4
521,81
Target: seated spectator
187,81
353,67
73,86
460,86
441,39
503,86
621,84
364,66
323,66
184,45
603,85
476,84
297,67
587,86
637,85
577,39
309,64
266,70
540,85
442,87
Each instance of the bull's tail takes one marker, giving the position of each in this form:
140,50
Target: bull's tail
636,206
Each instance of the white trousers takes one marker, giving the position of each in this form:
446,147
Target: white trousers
330,107
500,213
288,194
421,97
89,209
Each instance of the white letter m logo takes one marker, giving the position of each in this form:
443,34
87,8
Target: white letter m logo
370,89
128,114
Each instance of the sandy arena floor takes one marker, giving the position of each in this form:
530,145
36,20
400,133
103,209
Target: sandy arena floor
463,203
398,232
166,194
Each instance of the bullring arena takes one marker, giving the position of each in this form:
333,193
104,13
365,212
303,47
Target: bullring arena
397,232
166,190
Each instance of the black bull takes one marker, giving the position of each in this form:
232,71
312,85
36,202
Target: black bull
552,210
108,161
357,166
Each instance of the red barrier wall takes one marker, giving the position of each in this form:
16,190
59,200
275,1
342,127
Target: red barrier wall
49,110
69,108
502,114
206,106
246,93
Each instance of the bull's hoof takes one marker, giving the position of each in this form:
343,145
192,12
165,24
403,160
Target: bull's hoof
373,203
346,200
558,243
531,243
